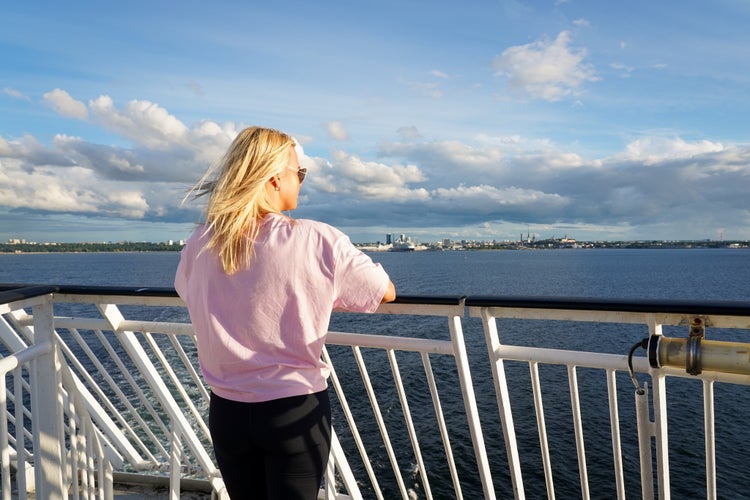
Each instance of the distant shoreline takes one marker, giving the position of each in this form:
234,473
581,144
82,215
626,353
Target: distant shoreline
120,247
143,247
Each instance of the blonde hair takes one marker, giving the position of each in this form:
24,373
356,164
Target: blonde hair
238,199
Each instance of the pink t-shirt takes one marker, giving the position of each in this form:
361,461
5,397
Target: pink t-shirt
260,331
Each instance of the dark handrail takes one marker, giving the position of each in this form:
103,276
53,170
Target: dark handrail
450,300
721,308
24,292
724,308
99,290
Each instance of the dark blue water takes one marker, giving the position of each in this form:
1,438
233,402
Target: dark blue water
710,274
694,274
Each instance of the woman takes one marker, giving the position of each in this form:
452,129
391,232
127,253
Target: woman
260,288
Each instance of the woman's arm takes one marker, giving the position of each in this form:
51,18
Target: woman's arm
390,293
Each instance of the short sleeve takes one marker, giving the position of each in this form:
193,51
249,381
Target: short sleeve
359,283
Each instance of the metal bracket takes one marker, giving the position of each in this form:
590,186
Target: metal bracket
697,331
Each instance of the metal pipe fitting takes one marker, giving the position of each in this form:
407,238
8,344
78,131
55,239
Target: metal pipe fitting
696,354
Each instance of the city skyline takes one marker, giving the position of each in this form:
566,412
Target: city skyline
612,122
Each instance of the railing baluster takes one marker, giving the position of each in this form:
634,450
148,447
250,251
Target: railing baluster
380,422
645,434
188,366
172,376
542,428
4,444
709,438
575,405
442,425
503,401
614,419
470,405
22,463
77,454
352,425
175,461
660,420
120,397
409,422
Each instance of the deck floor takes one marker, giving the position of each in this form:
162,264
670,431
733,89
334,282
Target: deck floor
135,492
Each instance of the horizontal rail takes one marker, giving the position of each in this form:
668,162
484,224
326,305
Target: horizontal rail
728,308
390,342
16,293
10,363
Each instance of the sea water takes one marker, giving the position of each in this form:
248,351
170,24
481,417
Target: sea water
700,274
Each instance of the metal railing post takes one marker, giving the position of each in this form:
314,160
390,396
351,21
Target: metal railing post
503,401
470,404
645,433
46,407
660,420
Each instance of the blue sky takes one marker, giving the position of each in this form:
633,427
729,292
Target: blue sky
464,120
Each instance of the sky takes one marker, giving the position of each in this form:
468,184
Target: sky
477,120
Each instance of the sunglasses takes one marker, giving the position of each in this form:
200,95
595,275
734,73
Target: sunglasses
301,173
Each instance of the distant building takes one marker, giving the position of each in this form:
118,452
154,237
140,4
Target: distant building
567,241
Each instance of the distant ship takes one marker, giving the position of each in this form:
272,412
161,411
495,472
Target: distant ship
403,245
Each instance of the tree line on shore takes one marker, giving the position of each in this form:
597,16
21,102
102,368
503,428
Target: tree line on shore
141,246
122,246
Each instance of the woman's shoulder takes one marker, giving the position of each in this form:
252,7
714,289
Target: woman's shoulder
313,231
201,233
318,228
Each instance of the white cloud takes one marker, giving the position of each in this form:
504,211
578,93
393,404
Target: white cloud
77,190
500,179
143,122
16,94
653,150
209,140
65,105
129,204
550,161
484,198
32,152
452,156
45,189
548,70
337,131
351,176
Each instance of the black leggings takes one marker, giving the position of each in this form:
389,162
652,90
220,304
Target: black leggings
274,449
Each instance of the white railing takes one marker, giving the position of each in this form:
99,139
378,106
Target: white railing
650,432
59,452
409,419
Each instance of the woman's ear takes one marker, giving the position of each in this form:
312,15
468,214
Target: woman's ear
274,182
